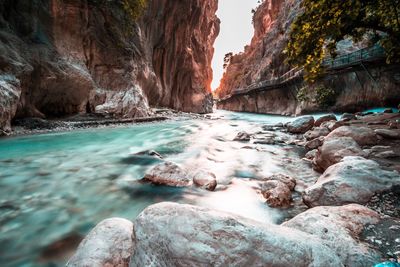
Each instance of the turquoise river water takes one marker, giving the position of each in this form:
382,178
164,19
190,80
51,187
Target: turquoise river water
55,187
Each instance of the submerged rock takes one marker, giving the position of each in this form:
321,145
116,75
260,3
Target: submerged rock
169,234
340,228
149,153
301,125
362,135
334,150
108,244
353,180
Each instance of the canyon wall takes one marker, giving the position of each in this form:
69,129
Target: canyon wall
61,57
354,89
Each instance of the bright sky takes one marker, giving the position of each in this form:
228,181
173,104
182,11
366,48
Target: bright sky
236,32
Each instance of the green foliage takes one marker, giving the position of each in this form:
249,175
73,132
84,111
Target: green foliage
227,59
316,32
322,96
303,95
325,97
133,8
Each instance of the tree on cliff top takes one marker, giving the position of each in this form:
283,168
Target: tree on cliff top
324,23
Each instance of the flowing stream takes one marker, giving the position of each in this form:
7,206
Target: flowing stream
55,187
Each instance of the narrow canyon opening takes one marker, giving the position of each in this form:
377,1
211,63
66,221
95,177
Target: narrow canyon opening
236,31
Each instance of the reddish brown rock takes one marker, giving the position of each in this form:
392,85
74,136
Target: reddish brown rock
334,150
362,135
83,56
320,120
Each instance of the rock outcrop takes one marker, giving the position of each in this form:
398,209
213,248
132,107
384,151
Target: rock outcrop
80,56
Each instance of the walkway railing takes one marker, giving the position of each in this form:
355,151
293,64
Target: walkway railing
347,60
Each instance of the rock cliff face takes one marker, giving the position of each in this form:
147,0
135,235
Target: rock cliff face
60,57
263,58
355,89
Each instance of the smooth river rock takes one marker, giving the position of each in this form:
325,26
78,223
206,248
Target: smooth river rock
340,228
316,132
388,134
334,150
171,174
108,244
204,179
362,135
353,180
170,234
168,173
325,118
301,125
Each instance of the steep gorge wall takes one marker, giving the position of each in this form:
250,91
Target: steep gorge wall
356,89
61,57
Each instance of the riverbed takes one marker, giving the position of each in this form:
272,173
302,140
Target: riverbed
55,187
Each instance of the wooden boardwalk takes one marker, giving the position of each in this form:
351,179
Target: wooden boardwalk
346,61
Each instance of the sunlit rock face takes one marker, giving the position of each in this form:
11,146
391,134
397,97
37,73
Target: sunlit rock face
74,56
264,59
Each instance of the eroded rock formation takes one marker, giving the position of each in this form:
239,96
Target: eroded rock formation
77,56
